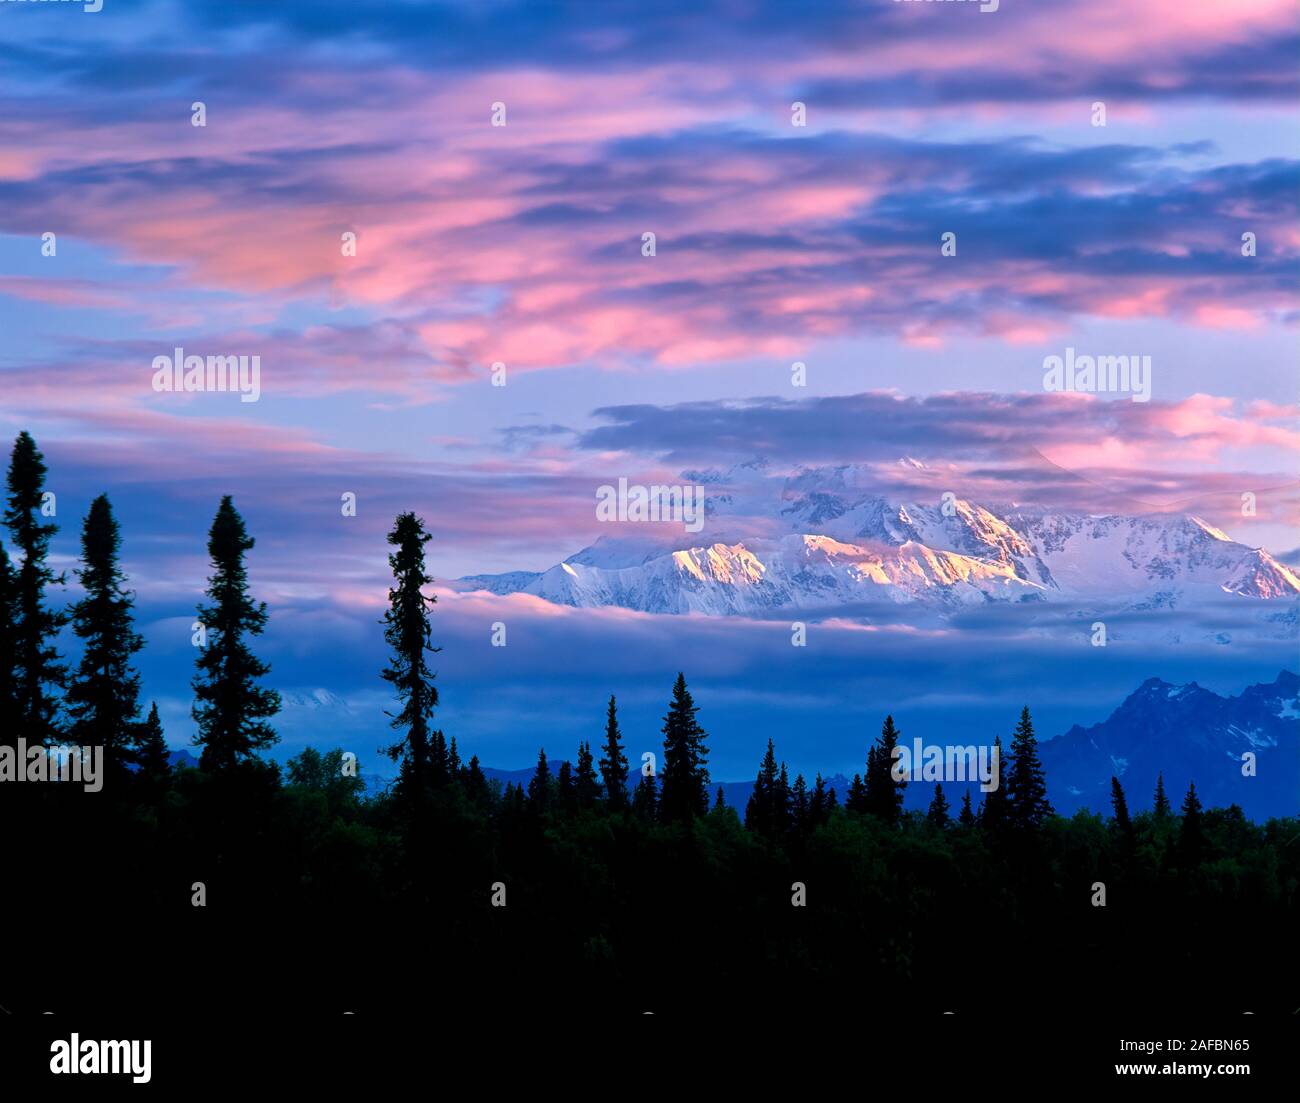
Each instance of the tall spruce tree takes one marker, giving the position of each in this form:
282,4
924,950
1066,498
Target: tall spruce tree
764,814
539,786
407,631
150,751
995,812
884,793
613,765
476,784
685,782
1162,808
819,807
566,792
231,710
938,811
439,759
966,817
1026,784
857,796
39,676
1191,832
800,821
586,784
1120,806
784,797
103,695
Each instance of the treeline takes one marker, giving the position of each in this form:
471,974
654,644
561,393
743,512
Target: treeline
599,876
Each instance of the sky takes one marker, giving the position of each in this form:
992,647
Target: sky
522,244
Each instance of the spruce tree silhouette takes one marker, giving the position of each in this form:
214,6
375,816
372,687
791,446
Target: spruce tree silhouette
586,784
231,710
439,759
966,817
938,811
857,795
149,752
1162,808
799,807
884,795
566,792
103,693
1191,832
1026,784
685,782
819,805
539,786
407,631
39,676
476,785
762,811
995,813
1119,805
613,764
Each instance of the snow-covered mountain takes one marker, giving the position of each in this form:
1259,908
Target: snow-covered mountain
797,572
824,543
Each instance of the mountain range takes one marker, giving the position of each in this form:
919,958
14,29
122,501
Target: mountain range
822,543
1188,733
1185,732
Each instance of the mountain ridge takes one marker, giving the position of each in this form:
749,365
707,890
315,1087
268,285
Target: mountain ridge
845,547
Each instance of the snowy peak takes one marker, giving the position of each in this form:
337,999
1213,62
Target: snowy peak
1209,529
1151,553
1258,574
314,699
810,572
1155,693
823,539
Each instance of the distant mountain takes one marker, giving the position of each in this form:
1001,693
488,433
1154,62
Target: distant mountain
1190,734
314,700
183,758
517,777
824,543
